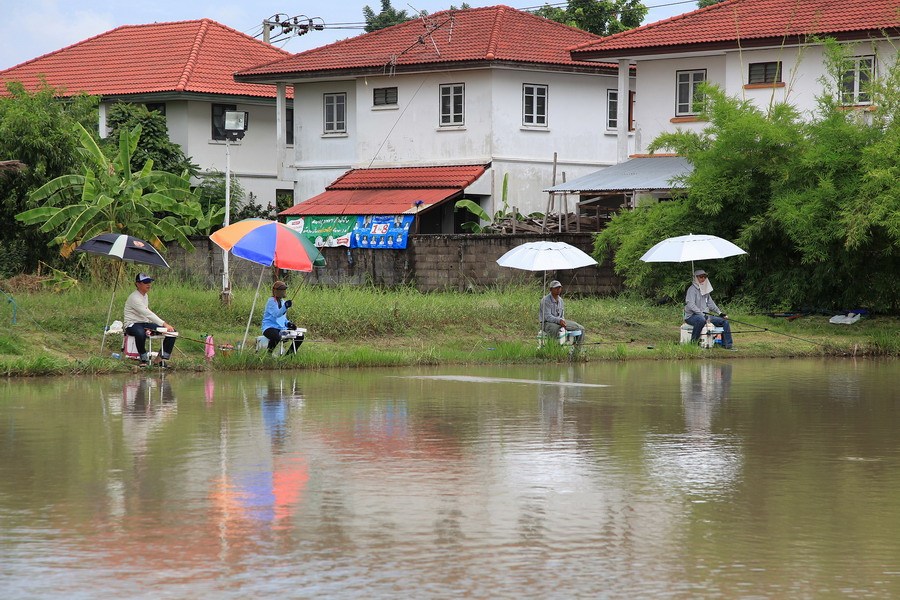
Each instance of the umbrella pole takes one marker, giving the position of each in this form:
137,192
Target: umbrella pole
109,311
252,308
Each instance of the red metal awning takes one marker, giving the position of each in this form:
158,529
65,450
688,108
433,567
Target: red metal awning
371,202
389,191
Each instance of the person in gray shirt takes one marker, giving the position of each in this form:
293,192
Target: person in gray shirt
552,314
698,304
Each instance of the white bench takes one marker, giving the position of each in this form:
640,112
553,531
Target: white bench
708,335
569,339
287,337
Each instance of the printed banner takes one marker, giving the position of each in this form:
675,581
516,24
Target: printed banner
387,232
325,231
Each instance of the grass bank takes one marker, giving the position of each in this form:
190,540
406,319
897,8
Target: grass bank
61,333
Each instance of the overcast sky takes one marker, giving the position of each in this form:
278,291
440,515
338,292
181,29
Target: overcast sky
31,28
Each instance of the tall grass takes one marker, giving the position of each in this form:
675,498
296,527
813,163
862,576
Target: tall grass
365,326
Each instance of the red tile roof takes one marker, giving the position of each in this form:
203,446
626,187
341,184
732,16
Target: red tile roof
390,191
447,38
753,23
185,56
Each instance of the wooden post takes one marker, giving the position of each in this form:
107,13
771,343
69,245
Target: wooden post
549,197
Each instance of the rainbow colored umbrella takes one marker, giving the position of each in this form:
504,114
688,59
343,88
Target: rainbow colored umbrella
269,243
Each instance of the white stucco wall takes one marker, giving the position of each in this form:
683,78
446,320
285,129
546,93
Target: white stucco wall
253,159
802,71
410,133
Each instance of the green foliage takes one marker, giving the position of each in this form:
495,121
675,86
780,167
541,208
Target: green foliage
108,197
388,17
475,209
601,17
154,143
705,3
211,195
38,130
815,202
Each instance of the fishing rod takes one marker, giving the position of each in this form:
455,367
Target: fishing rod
760,328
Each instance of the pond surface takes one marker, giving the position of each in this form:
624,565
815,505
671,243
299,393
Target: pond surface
740,478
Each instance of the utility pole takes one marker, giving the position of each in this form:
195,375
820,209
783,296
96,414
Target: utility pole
299,25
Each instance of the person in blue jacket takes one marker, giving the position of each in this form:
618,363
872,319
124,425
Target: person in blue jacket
275,318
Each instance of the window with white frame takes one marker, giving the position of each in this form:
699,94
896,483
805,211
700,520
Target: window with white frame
856,79
612,110
534,105
765,72
453,97
688,96
335,113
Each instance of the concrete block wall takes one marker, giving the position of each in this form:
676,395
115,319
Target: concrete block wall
430,263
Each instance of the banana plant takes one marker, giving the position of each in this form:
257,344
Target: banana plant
109,197
475,209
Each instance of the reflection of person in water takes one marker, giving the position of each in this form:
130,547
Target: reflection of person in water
275,406
146,394
703,389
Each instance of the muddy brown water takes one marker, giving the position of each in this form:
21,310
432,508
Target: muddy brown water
740,478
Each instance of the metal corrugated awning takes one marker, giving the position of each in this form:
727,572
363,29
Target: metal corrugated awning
645,173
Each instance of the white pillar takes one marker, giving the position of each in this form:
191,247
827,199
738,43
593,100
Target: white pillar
622,112
280,137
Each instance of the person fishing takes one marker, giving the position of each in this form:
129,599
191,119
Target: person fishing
141,321
552,314
275,321
698,303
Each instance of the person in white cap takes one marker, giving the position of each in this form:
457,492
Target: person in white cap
698,304
552,314
139,319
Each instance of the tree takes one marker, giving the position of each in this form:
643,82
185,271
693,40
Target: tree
386,18
38,130
602,17
705,3
154,143
152,205
814,202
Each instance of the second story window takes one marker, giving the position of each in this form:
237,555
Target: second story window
612,110
688,96
765,72
453,104
218,119
384,96
336,113
534,105
856,79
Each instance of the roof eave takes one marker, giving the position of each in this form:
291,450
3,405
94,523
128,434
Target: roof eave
722,45
418,68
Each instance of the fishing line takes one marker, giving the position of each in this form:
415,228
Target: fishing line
760,328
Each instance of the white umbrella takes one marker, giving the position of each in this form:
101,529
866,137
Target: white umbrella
690,248
545,256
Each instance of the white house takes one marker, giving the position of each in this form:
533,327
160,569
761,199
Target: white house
485,86
766,51
183,69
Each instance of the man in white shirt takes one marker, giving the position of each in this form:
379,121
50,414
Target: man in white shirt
139,319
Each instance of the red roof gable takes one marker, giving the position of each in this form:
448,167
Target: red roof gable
185,56
477,35
753,23
389,191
